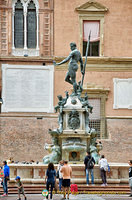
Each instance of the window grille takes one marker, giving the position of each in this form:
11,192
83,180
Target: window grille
95,118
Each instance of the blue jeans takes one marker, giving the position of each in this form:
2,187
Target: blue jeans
87,175
51,185
60,183
5,187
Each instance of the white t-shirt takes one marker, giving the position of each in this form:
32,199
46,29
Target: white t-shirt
103,163
59,168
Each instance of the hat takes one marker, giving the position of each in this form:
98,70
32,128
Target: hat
18,177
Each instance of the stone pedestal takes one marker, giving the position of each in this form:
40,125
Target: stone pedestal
74,136
74,146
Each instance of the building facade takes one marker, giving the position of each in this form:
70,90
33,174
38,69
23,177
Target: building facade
33,33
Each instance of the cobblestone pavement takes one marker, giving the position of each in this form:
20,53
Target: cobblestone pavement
73,197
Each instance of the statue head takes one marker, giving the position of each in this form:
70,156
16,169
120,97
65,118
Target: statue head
73,45
59,97
93,133
55,140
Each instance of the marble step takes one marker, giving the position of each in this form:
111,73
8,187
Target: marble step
37,189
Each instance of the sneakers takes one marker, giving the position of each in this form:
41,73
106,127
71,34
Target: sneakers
130,195
4,195
103,185
87,184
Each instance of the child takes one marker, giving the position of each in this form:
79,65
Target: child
130,176
20,187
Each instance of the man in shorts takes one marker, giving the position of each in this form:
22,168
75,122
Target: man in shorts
66,171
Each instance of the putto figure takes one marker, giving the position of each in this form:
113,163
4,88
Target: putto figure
73,58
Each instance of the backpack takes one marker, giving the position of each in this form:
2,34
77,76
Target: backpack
74,188
90,164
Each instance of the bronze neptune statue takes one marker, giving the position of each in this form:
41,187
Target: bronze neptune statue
73,58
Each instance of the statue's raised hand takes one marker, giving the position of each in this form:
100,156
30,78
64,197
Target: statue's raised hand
54,63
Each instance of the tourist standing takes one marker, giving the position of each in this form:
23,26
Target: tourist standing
6,178
103,167
66,171
51,178
89,165
130,176
61,163
20,187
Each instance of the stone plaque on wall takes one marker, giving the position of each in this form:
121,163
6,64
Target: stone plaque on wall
27,88
122,93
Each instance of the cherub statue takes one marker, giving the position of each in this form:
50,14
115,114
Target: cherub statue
94,146
61,103
88,108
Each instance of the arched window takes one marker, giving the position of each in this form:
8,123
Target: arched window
31,25
19,25
25,28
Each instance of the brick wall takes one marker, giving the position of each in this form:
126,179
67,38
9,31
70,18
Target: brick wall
118,147
23,138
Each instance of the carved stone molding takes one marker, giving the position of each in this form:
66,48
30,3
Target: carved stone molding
91,6
92,11
25,50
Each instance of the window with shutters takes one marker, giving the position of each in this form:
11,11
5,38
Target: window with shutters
25,19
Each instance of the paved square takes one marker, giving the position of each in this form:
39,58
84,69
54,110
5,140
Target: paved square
72,197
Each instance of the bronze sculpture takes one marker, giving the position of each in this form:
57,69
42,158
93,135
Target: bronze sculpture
73,58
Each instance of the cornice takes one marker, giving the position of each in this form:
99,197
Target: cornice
28,115
26,59
101,59
102,63
119,117
93,63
